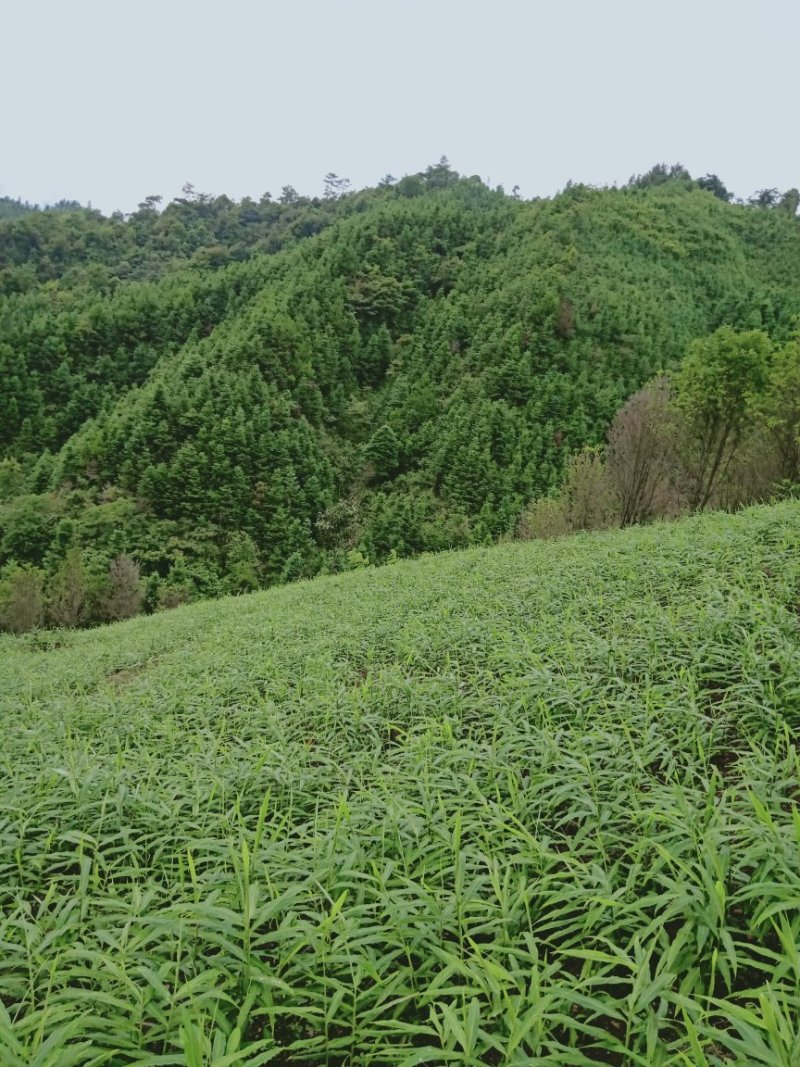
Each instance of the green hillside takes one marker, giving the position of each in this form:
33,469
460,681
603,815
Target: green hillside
239,394
534,803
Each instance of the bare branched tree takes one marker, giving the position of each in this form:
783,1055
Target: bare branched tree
640,459
124,595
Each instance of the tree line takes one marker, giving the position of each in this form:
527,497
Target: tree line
212,397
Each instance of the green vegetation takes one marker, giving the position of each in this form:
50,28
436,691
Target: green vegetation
534,803
220,396
721,431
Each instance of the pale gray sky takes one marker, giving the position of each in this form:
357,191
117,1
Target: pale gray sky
111,100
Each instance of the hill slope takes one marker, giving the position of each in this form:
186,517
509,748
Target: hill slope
242,394
534,803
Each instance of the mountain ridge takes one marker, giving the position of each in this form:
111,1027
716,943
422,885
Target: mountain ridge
394,371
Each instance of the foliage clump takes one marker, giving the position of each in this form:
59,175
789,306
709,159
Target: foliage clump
722,431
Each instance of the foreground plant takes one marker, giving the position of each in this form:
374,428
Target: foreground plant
533,804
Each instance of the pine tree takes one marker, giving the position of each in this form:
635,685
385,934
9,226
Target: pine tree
382,452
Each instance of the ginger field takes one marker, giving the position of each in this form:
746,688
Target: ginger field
531,804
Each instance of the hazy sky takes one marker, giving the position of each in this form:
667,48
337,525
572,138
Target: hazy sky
110,100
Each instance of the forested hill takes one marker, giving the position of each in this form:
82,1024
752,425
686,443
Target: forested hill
232,394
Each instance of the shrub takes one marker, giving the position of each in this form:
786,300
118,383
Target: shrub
24,600
544,519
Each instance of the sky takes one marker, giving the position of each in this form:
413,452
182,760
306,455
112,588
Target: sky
108,101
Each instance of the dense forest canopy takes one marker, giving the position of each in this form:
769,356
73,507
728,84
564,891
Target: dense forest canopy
221,395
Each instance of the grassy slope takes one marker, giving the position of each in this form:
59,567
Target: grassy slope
524,804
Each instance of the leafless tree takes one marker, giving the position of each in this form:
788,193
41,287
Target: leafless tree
123,598
640,457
